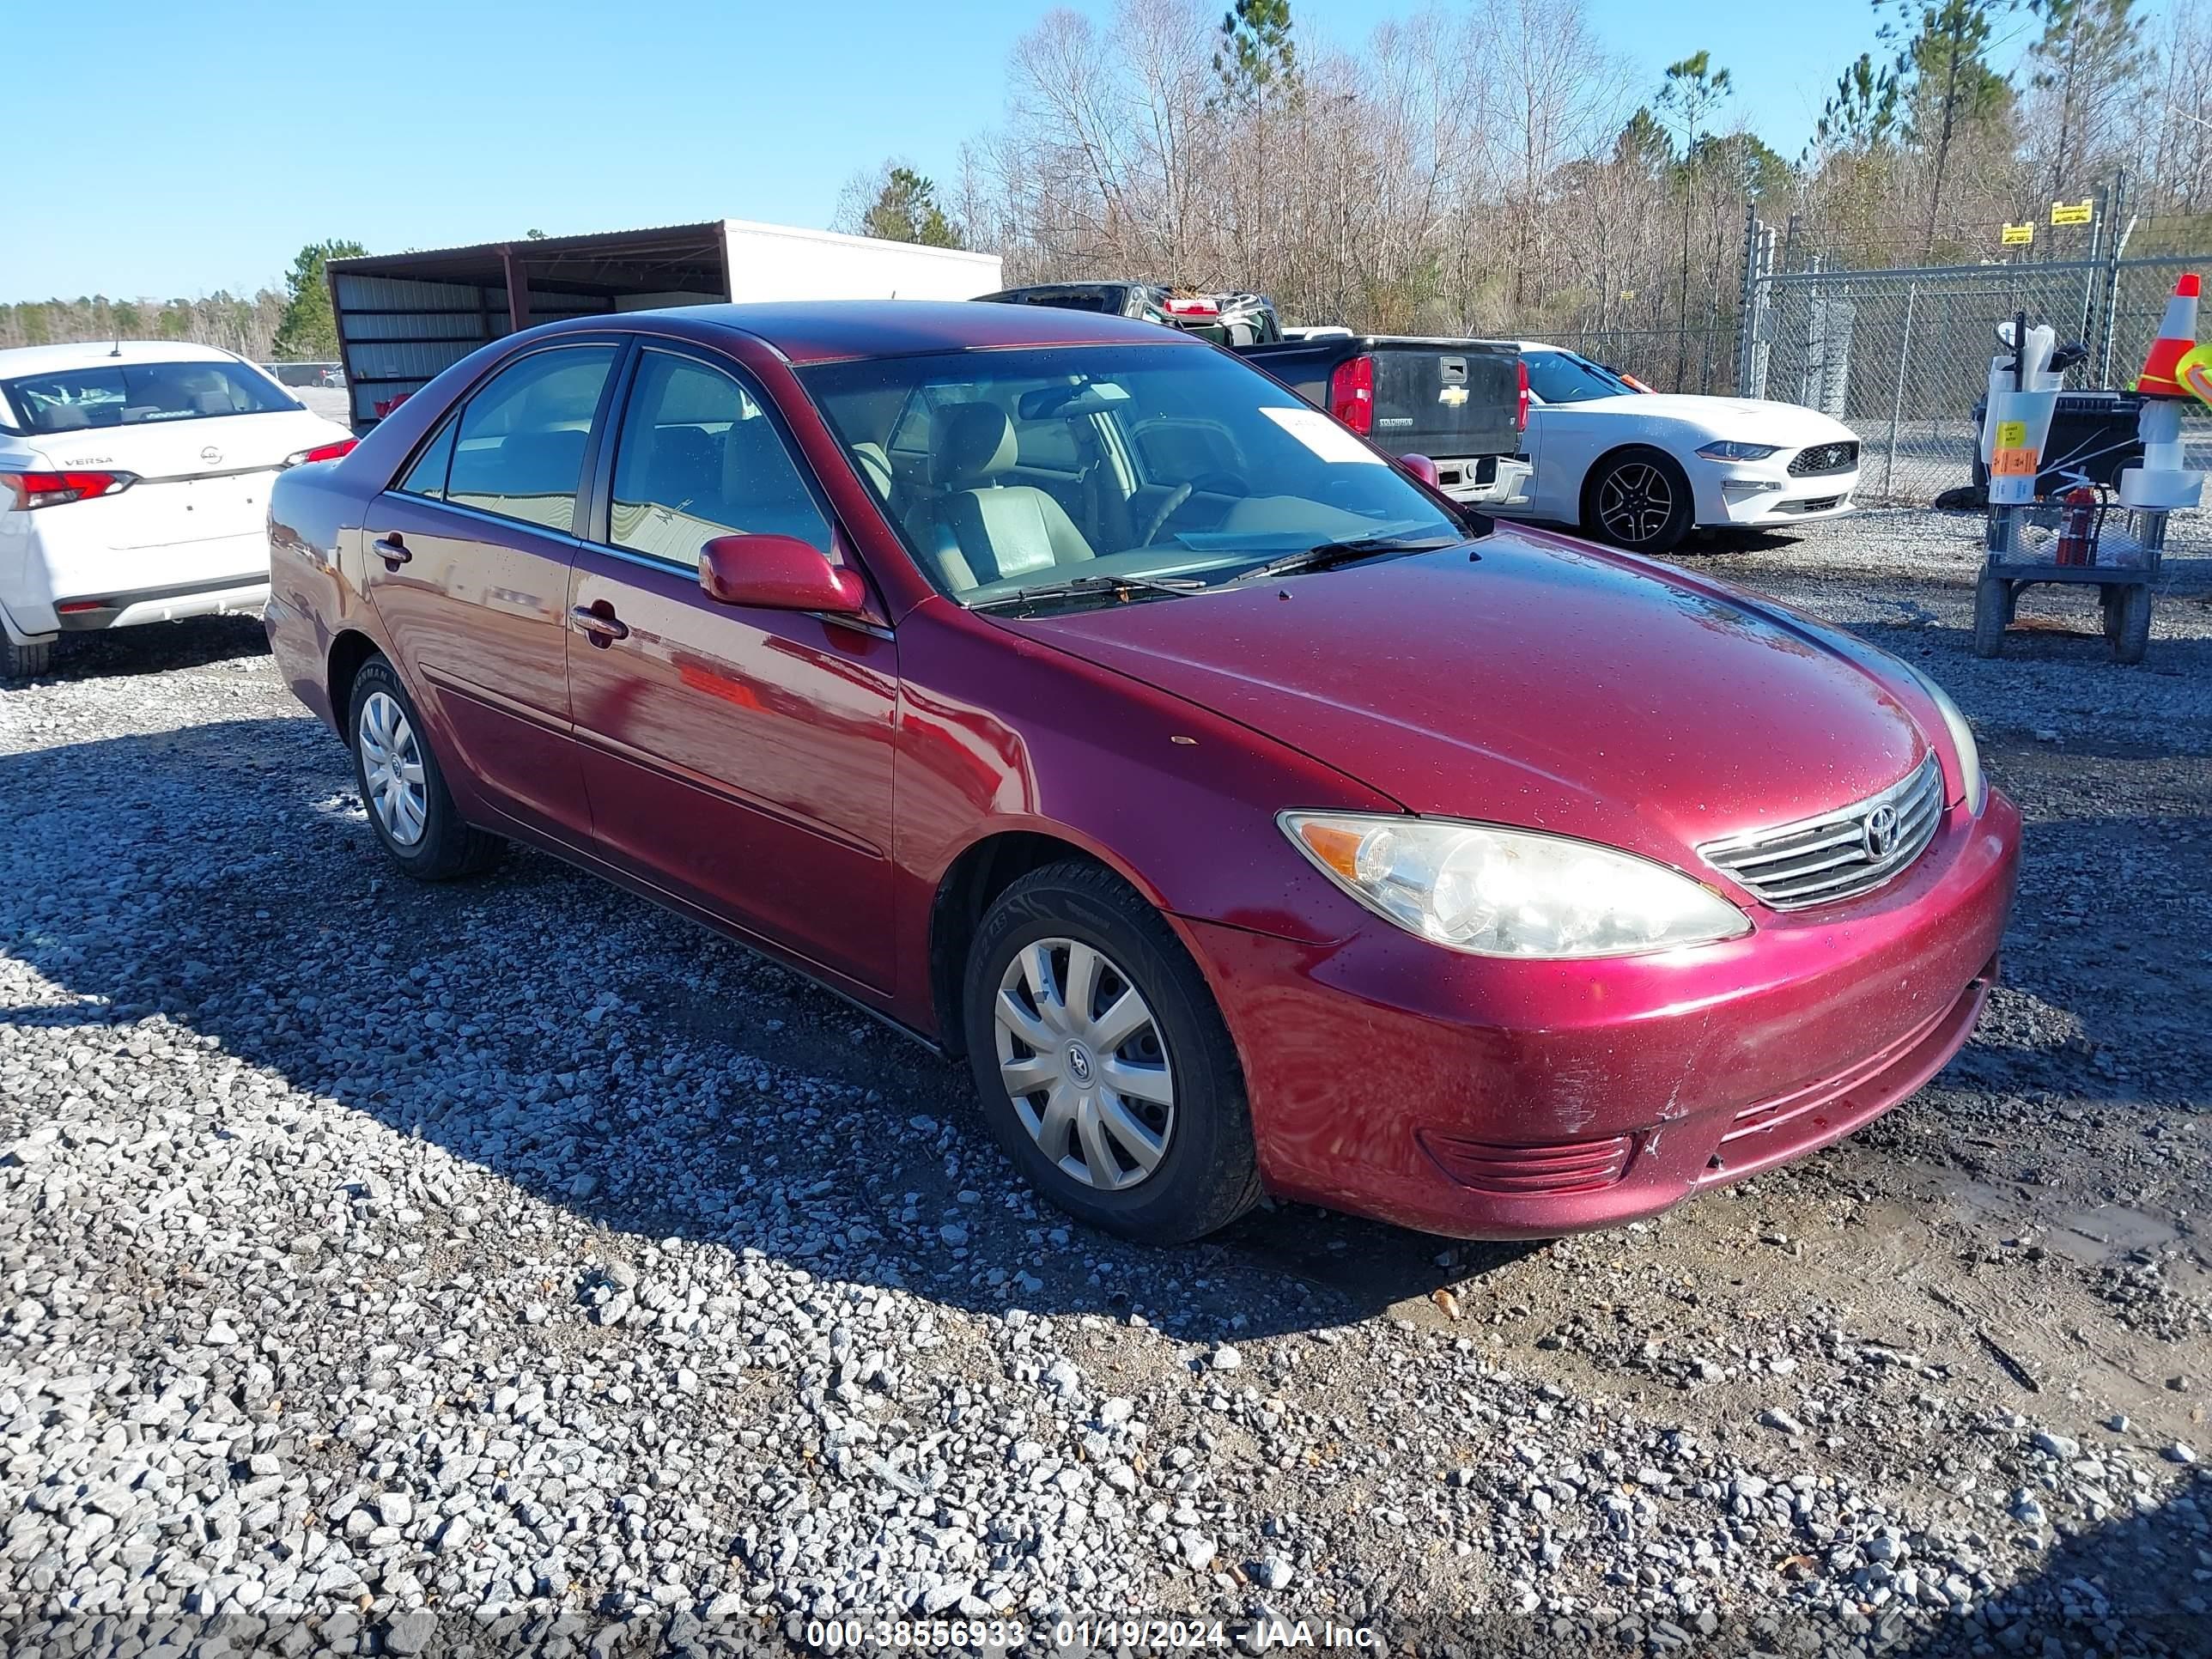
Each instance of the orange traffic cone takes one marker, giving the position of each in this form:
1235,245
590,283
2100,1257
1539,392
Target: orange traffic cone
2175,337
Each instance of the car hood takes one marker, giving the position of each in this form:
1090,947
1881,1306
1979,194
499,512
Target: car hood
1757,419
1541,682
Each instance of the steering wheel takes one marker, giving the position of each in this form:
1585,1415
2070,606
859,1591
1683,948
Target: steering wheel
1176,497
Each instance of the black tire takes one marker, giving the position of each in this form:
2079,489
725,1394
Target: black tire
2127,620
448,846
21,661
1654,512
1208,1173
1992,610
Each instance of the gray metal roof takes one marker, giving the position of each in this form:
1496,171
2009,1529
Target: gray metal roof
618,261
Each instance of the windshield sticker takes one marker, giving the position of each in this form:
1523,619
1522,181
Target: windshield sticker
1322,436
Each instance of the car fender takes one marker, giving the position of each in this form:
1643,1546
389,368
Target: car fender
1001,732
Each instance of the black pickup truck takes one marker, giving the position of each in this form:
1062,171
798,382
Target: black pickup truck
1463,404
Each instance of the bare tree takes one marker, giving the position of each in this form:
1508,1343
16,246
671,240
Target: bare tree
2180,130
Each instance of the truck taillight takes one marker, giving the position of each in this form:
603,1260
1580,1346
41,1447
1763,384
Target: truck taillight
1520,408
1351,393
33,489
330,451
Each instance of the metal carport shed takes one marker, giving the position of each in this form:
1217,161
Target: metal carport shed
402,318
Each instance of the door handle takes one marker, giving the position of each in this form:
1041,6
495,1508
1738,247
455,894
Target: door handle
390,549
599,621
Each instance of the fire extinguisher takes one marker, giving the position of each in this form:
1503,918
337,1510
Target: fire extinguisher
2077,526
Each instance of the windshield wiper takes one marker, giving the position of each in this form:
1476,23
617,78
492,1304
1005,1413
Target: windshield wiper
1080,587
1345,552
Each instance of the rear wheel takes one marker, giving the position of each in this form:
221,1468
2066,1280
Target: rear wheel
2127,620
402,786
1639,500
1104,1066
1992,610
23,662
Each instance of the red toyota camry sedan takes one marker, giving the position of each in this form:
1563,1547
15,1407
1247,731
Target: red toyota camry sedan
1072,694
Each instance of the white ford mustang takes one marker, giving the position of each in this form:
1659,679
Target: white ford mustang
134,486
1642,469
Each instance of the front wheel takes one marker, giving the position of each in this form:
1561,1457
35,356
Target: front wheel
1638,499
1104,1066
403,787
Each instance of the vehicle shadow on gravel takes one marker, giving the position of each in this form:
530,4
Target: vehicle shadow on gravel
597,1053
157,648
2131,1585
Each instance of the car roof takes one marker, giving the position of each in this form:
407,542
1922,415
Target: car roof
831,330
92,354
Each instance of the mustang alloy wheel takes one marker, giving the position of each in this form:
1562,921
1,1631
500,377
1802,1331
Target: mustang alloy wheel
1638,499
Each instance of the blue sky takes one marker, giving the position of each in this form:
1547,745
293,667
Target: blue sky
197,147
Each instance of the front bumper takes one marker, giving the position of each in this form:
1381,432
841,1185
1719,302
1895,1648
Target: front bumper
1764,494
1487,1099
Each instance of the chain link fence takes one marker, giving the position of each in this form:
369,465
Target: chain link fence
1903,356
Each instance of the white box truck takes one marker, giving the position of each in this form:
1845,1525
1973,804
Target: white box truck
402,318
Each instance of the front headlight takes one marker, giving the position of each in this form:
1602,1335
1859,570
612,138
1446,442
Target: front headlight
1495,893
1962,739
1729,450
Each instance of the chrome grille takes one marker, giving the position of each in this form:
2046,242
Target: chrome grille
1825,458
1840,854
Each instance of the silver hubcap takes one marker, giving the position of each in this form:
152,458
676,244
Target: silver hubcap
1635,502
391,768
1083,1059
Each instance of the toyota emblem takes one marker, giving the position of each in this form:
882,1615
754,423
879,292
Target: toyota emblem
210,454
1881,832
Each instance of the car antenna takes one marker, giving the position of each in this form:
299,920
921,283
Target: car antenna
117,352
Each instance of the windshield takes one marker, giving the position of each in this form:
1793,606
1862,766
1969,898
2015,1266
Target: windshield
135,394
1006,471
1560,377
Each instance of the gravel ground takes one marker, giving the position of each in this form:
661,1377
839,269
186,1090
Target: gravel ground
509,1265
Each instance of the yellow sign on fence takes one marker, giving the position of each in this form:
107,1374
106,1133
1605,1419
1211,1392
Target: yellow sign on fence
2073,213
2017,235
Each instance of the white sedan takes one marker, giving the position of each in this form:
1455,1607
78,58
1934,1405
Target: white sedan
1643,468
134,486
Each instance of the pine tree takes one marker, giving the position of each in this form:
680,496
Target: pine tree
906,210
308,332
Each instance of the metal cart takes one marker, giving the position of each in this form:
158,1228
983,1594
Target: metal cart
2020,555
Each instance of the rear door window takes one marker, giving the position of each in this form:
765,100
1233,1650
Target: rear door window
428,476
518,449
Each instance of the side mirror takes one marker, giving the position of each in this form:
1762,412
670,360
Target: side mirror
778,573
1422,468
